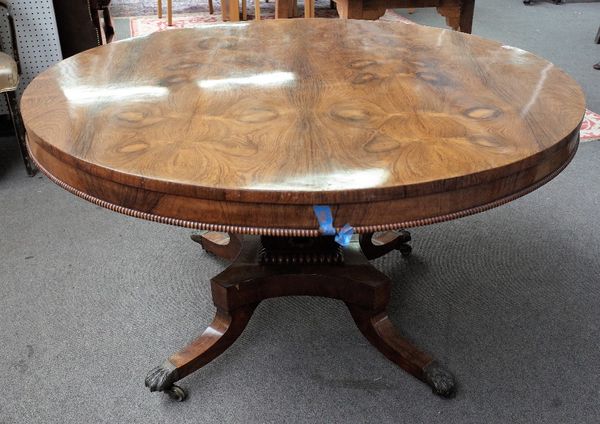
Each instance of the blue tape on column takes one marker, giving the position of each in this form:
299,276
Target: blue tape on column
325,218
344,235
323,214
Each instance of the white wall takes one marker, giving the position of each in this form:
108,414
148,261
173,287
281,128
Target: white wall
37,38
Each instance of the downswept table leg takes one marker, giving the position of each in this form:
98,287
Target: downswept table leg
223,245
220,334
379,330
374,247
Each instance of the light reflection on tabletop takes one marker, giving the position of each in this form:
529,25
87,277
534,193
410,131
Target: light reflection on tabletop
538,89
83,94
351,179
262,80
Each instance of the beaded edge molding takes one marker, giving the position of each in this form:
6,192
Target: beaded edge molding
296,232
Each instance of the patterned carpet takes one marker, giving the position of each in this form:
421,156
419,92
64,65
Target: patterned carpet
121,8
590,129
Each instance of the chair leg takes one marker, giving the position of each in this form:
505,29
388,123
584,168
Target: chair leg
244,11
309,9
15,116
109,29
96,23
257,10
170,12
211,9
234,10
159,9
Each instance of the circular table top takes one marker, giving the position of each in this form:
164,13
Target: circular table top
245,127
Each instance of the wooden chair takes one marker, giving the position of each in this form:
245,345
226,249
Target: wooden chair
211,10
257,10
77,29
10,71
309,8
102,6
230,10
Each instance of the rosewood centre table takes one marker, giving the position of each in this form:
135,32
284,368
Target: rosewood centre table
245,128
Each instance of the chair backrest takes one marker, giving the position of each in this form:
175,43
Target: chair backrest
12,47
76,29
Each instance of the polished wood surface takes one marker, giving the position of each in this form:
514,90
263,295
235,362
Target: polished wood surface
376,245
223,245
252,124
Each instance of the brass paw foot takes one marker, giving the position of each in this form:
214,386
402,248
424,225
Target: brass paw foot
375,245
161,378
402,245
440,379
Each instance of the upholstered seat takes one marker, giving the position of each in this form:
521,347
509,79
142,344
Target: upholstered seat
9,73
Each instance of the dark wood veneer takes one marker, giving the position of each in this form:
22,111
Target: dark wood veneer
246,282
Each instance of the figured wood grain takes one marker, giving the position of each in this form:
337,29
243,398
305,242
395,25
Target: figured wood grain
385,122
222,332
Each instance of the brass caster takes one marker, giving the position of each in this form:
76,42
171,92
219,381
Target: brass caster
440,380
176,393
405,250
